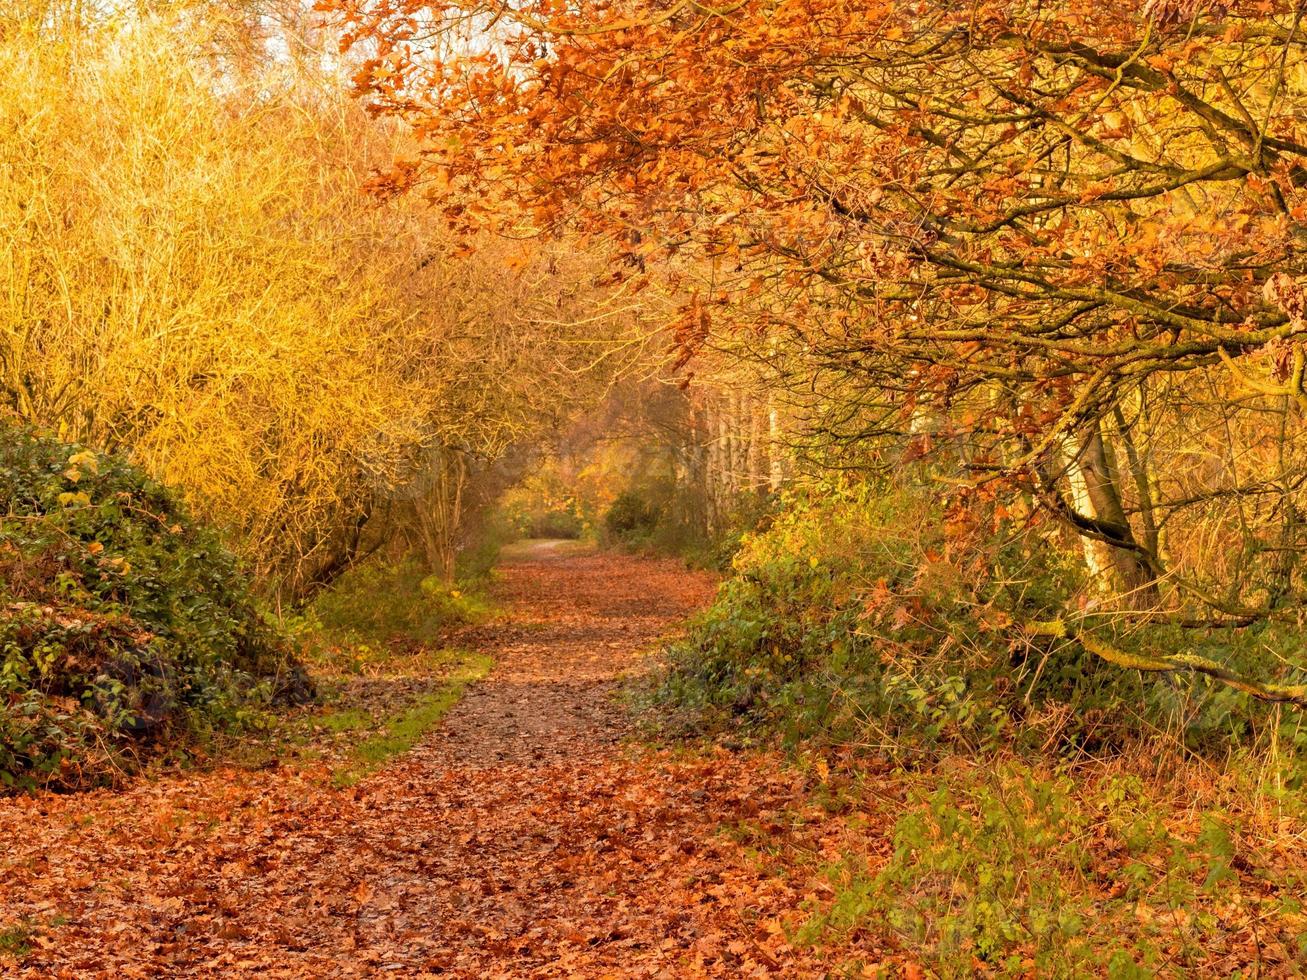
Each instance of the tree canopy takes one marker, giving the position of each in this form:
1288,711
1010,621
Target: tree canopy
1001,225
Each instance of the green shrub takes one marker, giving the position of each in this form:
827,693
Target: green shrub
124,623
475,564
384,603
856,614
631,519
848,618
565,524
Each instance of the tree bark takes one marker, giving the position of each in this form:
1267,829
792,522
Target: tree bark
1133,574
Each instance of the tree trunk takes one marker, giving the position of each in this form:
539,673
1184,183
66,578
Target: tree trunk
1131,570
776,466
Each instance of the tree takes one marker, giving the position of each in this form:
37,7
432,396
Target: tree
1018,221
195,279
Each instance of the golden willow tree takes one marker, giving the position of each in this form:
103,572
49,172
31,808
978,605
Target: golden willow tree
1063,239
193,276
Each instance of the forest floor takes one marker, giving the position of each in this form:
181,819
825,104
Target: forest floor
529,835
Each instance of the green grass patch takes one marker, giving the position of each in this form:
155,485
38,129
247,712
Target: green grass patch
16,941
345,720
405,729
1016,870
364,717
373,643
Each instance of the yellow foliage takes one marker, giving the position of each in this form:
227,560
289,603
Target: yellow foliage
190,274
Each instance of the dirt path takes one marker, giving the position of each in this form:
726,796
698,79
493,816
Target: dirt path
523,838
573,625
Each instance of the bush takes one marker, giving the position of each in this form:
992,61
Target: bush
545,504
564,524
124,623
383,603
474,567
749,514
853,617
631,519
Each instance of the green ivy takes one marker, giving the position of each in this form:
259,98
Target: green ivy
124,623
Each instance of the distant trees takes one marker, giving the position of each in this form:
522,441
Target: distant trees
1061,241
192,276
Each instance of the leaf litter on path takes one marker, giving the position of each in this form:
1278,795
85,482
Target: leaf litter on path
524,837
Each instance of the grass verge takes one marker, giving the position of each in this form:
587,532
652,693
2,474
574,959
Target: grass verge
375,646
401,731
366,717
1004,866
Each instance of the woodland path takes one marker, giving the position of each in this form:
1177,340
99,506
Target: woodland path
525,837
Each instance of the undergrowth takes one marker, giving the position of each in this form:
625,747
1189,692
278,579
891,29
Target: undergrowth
377,645
857,617
380,604
1048,814
1010,868
126,626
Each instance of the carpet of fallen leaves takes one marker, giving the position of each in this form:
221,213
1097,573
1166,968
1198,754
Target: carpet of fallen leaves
525,837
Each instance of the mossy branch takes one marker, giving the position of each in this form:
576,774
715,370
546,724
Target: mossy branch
1295,694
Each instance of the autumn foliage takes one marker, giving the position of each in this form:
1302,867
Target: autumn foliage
196,279
921,382
1051,246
